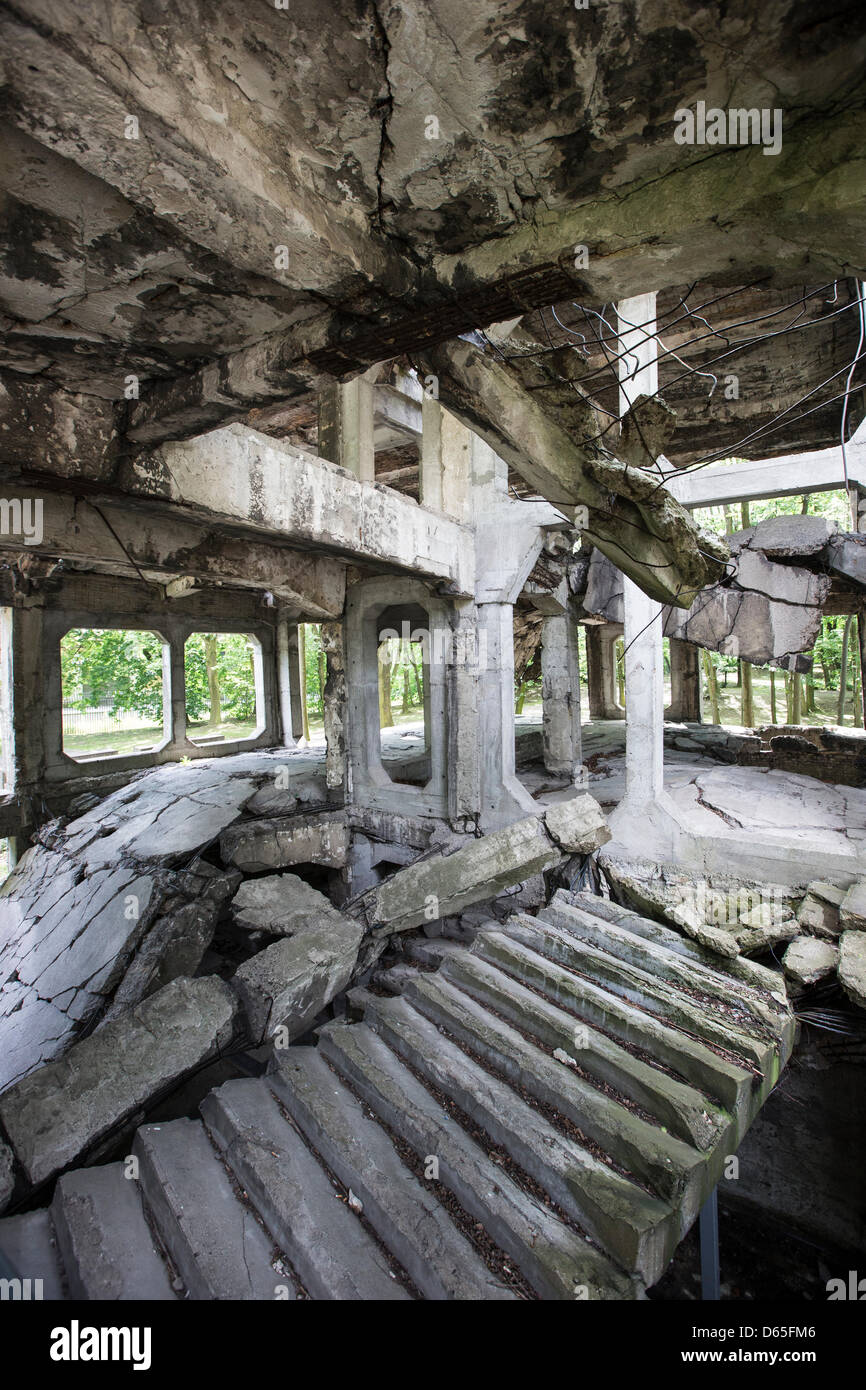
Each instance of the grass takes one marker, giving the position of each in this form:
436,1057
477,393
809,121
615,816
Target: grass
125,740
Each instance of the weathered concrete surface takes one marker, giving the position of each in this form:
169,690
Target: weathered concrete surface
808,960
819,911
443,886
852,965
102,913
281,905
852,909
278,843
291,982
59,1112
762,610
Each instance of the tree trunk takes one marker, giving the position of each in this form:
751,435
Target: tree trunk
712,686
302,652
843,670
386,718
213,678
521,696
773,716
407,703
796,698
857,693
748,705
321,674
789,687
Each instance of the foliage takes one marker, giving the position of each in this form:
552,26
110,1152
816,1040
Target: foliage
234,669
123,668
114,665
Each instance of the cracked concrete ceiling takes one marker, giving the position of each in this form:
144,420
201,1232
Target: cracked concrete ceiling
182,182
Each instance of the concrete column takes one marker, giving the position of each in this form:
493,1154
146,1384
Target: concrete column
685,682
464,735
445,461
293,671
346,427
560,695
644,667
503,798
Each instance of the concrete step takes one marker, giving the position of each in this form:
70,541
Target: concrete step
330,1250
682,1109
753,1009
213,1238
553,1258
637,1229
108,1250
29,1245
672,1169
694,1016
728,1083
751,972
404,1213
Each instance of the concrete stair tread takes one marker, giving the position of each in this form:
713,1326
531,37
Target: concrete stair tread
634,1227
106,1245
553,1258
726,1081
437,1257
213,1238
673,1169
684,1110
742,968
760,1012
29,1245
332,1254
644,988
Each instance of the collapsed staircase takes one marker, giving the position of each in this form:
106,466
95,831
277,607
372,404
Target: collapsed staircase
541,1115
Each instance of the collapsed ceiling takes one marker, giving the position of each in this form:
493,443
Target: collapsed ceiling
207,213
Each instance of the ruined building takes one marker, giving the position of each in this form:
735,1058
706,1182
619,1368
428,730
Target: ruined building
427,333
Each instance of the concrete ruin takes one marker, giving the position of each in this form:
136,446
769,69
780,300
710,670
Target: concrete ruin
401,321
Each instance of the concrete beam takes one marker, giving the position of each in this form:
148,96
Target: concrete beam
269,487
111,535
787,476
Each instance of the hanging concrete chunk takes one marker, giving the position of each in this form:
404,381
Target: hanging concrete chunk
282,905
578,826
59,1112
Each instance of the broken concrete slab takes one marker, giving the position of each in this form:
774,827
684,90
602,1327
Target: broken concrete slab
58,1113
578,825
7,1174
852,966
443,886
852,910
278,843
789,536
287,985
282,905
808,959
818,912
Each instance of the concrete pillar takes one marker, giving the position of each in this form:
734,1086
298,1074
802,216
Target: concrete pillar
601,670
445,474
346,427
560,695
644,666
289,683
464,734
685,703
334,703
503,798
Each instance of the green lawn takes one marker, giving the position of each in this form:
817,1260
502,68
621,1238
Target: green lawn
125,740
